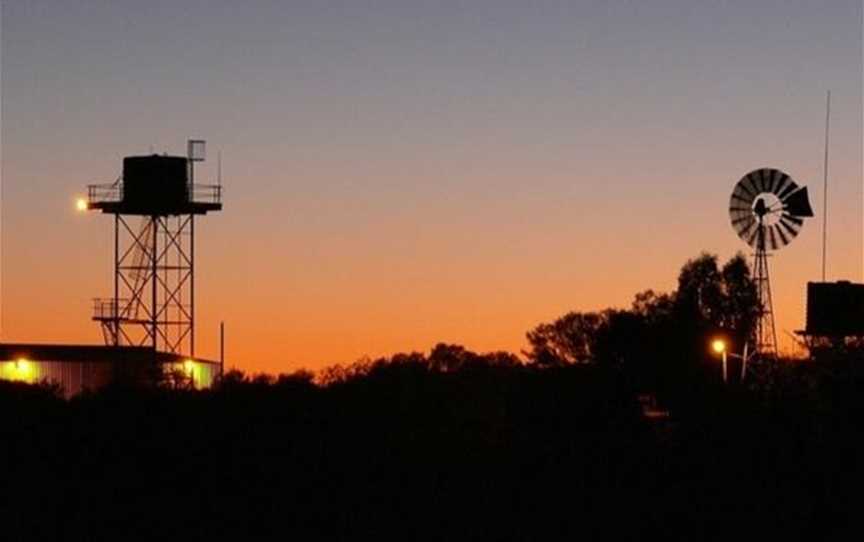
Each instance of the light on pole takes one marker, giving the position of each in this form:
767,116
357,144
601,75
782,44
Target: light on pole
719,347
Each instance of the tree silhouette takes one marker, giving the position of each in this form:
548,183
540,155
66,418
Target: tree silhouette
741,300
660,342
700,290
721,299
570,339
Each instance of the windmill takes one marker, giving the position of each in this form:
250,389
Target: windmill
767,209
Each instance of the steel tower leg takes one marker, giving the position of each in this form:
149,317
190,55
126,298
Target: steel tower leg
115,304
192,285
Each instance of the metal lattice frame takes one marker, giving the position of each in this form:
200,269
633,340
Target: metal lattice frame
765,334
154,285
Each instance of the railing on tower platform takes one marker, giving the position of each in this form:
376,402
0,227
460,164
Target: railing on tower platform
106,309
113,193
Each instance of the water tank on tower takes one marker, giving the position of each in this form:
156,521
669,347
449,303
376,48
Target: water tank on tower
155,184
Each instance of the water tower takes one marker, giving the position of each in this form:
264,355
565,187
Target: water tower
154,204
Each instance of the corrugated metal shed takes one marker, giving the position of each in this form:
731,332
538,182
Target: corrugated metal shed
79,367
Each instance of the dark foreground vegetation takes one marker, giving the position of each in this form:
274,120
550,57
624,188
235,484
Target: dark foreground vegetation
483,452
455,445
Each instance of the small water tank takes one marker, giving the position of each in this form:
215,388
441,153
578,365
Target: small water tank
835,309
155,183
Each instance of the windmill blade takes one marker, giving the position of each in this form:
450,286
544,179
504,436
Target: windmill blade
750,182
797,203
789,227
768,179
787,189
783,182
751,239
743,228
773,245
773,177
747,230
792,218
757,181
739,209
742,199
744,193
783,239
761,182
745,190
742,219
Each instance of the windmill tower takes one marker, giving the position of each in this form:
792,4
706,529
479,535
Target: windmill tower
767,210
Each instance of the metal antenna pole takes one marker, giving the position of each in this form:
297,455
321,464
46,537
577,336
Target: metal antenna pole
221,349
191,196
825,188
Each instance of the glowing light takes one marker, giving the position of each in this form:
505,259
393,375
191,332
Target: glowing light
718,346
21,370
81,204
189,367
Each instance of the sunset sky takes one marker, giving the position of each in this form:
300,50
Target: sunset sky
400,173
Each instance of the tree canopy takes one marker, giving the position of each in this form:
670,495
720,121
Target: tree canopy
660,332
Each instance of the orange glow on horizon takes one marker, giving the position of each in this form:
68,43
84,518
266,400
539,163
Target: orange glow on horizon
415,189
